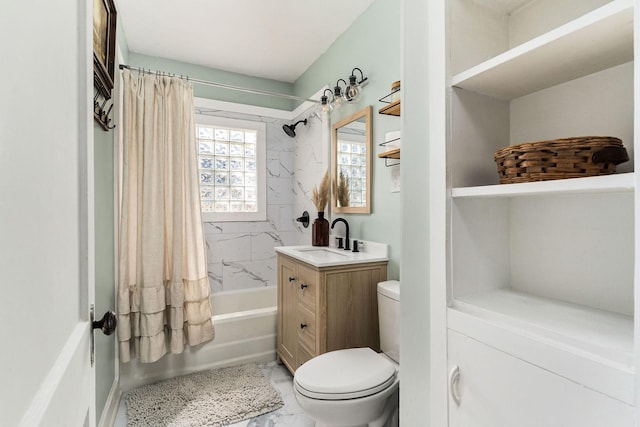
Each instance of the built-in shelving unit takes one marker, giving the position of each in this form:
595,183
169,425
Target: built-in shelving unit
594,42
543,272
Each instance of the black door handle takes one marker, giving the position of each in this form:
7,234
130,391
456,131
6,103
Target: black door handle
107,324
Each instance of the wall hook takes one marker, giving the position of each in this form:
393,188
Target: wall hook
100,115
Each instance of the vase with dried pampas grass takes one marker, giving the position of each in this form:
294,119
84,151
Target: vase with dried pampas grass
320,227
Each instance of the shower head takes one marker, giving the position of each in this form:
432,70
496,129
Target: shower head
291,129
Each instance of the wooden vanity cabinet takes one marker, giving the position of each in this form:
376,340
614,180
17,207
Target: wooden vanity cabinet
321,309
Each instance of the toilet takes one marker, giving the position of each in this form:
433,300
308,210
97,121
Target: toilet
356,387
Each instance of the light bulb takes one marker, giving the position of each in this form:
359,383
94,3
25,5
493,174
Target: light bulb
352,92
337,94
325,105
337,103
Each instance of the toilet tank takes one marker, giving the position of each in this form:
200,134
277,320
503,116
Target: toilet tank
389,318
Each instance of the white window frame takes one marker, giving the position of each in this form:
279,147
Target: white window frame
261,168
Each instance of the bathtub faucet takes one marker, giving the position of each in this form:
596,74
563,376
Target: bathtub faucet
346,227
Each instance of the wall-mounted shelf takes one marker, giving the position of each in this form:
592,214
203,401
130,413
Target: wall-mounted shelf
390,154
392,109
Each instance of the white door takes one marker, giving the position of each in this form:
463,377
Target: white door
46,213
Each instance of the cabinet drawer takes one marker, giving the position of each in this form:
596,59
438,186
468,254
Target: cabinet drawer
495,389
307,287
307,331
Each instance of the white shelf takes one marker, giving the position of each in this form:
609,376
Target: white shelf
594,42
624,182
592,347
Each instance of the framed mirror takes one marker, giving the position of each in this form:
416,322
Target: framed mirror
351,163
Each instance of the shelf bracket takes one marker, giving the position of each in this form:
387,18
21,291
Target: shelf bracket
387,164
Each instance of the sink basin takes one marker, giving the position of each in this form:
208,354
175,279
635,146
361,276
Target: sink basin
325,257
321,252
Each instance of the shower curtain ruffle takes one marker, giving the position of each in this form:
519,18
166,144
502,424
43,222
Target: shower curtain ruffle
154,327
163,291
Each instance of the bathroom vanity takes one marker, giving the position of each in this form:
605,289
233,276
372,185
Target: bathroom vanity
327,300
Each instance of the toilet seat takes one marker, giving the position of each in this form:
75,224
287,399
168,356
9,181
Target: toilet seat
345,374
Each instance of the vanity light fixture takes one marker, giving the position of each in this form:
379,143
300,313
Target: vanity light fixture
352,92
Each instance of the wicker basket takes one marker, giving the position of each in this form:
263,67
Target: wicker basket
559,159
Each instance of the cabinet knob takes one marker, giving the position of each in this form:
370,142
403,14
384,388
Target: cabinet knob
302,286
303,325
454,384
291,279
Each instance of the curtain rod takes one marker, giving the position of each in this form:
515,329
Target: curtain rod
220,85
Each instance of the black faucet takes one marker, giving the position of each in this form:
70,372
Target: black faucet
346,226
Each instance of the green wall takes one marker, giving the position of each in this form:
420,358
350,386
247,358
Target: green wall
210,74
372,44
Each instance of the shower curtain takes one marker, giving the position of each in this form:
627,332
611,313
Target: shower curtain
163,290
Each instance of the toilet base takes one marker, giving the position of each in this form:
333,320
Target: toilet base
343,410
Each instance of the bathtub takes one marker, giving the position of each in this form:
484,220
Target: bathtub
245,324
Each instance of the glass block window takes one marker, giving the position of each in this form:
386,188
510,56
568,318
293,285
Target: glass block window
352,164
232,167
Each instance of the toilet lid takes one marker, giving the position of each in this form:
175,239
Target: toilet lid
345,374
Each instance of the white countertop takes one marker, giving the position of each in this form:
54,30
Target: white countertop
324,256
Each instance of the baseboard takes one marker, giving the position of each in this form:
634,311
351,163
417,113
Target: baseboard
110,410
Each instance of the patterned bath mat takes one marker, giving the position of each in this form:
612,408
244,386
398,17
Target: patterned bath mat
209,398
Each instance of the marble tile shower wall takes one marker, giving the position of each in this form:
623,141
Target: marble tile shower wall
311,162
241,254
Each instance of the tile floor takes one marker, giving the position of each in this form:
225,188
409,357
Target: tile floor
290,415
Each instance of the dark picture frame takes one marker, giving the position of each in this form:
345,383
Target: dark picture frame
104,46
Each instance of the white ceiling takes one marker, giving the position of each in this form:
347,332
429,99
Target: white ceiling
275,39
